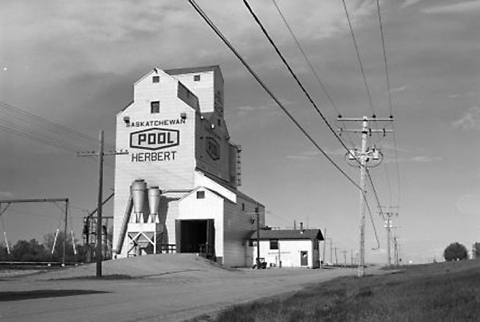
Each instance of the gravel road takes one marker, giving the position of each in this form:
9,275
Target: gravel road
176,289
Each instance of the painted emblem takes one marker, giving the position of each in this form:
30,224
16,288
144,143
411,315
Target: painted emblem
154,139
213,148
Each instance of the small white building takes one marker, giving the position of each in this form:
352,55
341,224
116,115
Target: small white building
176,190
287,247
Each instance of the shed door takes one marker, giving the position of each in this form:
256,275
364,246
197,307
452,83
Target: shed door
210,247
304,258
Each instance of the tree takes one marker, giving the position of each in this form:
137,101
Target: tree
454,252
70,256
3,252
28,251
477,251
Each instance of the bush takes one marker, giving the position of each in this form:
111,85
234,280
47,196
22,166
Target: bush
455,252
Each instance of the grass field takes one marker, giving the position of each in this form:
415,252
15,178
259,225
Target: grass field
435,292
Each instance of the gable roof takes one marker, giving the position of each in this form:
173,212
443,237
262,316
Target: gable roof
191,70
291,234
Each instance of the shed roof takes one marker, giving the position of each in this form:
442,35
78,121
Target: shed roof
288,234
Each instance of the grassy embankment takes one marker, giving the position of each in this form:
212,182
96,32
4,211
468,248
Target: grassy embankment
436,292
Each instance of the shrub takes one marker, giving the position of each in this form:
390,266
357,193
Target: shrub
455,251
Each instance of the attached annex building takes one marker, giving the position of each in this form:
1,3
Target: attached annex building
287,247
176,190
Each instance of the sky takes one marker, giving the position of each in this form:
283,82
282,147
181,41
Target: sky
74,64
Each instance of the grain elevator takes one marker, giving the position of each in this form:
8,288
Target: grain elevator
176,190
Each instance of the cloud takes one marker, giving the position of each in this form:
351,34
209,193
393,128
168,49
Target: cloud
408,3
315,154
470,121
6,194
464,7
469,204
398,89
423,158
417,158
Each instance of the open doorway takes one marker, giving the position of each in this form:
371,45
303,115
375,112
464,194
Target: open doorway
196,236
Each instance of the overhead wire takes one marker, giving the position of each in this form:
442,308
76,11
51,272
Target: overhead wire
313,103
299,83
328,96
310,65
390,101
366,83
358,58
40,122
371,219
265,87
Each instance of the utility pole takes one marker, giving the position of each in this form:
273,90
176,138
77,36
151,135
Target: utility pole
361,159
65,233
257,212
336,257
388,226
331,246
324,245
344,257
100,154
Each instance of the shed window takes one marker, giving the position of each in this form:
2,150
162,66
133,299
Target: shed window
155,107
243,207
273,243
200,194
156,79
196,78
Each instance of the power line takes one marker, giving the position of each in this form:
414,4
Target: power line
390,102
299,83
303,88
358,57
314,72
385,57
264,86
310,65
35,120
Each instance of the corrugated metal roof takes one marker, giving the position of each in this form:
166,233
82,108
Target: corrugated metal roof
288,234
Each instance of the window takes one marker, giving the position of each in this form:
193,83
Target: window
196,78
200,194
155,107
156,79
243,207
219,122
273,243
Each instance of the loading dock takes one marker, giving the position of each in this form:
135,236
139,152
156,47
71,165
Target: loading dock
196,236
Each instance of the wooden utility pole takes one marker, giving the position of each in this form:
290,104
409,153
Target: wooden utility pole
388,226
361,159
99,207
64,255
257,212
100,154
324,246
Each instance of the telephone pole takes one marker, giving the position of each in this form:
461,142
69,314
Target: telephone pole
361,158
388,226
100,154
324,246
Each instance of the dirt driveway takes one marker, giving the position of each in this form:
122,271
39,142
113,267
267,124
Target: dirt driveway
174,293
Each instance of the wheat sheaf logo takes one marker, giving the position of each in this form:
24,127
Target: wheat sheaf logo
213,148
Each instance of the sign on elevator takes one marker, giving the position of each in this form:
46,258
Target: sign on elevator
154,139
